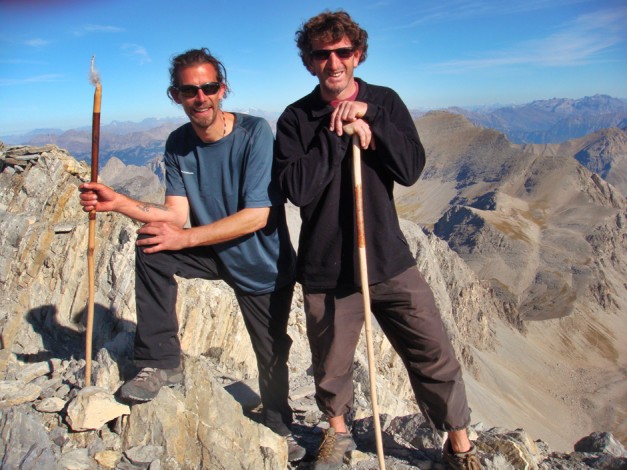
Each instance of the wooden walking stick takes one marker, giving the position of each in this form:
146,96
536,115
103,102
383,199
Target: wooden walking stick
365,290
91,244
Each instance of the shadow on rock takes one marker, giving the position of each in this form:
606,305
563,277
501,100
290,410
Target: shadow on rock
67,342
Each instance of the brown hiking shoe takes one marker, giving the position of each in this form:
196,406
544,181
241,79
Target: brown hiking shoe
147,383
332,450
461,460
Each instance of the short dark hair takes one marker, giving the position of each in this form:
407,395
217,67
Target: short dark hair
329,27
196,57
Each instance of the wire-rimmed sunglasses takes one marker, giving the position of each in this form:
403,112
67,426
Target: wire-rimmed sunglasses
324,54
189,91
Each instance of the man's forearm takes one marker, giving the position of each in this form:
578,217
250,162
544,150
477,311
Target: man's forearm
146,212
242,223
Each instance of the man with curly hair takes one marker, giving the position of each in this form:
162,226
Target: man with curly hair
313,164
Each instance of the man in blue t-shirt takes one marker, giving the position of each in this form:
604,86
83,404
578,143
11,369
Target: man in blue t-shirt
219,178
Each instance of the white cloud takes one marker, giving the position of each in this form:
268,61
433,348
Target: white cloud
581,41
36,42
21,62
138,52
95,28
36,79
380,4
451,10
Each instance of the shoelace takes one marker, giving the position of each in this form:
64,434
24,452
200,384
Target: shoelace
326,448
144,374
467,461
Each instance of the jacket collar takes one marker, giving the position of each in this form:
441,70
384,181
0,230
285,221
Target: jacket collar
319,107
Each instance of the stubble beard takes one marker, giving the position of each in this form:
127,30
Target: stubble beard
204,122
333,88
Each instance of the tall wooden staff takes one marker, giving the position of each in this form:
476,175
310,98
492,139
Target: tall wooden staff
91,245
365,290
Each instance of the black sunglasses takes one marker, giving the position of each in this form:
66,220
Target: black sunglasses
189,91
324,54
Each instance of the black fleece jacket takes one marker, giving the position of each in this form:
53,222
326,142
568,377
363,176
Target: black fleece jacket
314,169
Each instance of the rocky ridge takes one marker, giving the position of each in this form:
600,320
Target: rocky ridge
531,225
603,152
548,236
139,182
48,418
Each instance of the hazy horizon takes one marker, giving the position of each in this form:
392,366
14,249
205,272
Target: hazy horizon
261,112
435,55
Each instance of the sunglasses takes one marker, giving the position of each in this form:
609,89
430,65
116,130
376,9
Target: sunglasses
189,91
324,54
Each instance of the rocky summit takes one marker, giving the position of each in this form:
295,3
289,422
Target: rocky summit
51,419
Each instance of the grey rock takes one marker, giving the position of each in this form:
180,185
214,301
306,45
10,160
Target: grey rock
107,458
124,465
95,446
246,393
59,436
416,430
63,391
155,465
144,455
105,371
111,439
92,408
34,371
14,393
76,459
603,442
63,228
516,447
195,435
24,442
50,405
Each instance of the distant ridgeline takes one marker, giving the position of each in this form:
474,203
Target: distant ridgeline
547,121
552,121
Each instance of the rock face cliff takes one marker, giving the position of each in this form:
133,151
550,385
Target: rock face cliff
548,236
603,152
49,417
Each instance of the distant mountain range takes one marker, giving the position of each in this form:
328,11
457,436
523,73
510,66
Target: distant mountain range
552,121
547,121
135,143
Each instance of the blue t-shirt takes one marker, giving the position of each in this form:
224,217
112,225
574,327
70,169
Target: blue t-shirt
221,178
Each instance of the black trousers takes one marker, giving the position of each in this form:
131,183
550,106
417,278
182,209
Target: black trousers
265,316
405,309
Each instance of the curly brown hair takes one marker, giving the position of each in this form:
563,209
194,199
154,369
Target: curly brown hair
331,27
196,57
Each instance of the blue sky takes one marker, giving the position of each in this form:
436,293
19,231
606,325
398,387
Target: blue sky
433,53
